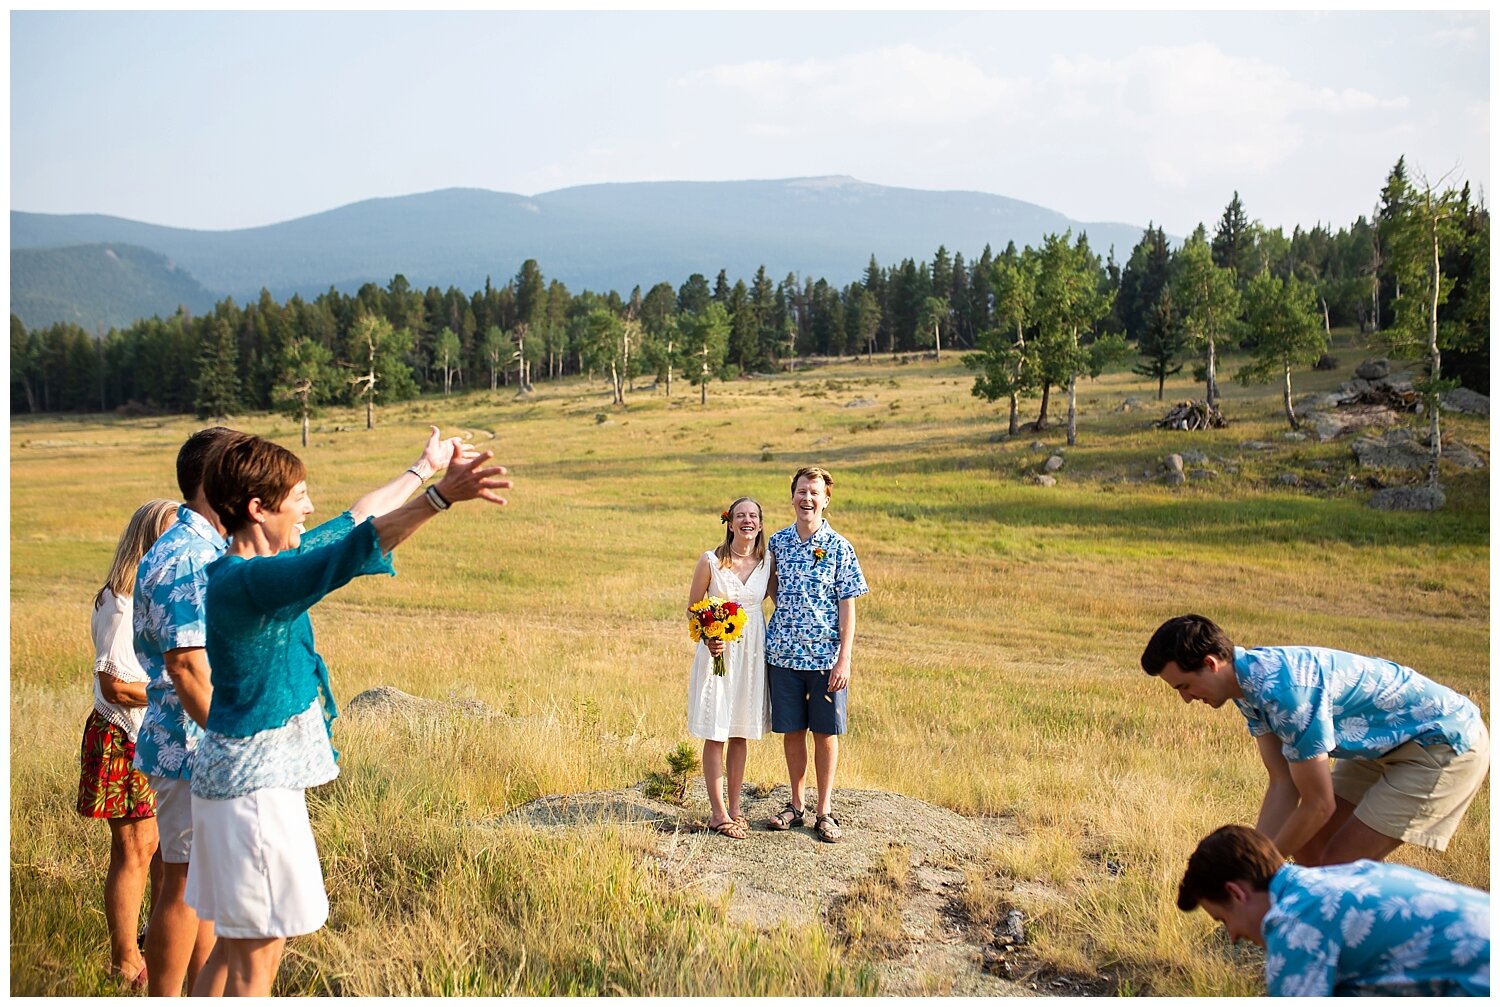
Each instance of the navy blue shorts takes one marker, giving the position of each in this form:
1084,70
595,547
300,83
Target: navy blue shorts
800,701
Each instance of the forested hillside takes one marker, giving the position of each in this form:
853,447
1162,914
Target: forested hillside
98,287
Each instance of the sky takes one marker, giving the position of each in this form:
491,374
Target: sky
217,121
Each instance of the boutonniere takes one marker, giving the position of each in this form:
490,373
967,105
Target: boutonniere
818,555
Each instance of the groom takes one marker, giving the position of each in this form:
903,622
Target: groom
809,645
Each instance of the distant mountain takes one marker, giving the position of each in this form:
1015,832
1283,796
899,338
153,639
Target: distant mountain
99,286
598,237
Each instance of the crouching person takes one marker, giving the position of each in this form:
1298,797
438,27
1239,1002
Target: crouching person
1360,929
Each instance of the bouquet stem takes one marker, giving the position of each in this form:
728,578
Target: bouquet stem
719,664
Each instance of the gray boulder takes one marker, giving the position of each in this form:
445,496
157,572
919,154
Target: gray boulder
1409,498
1462,400
1044,480
385,700
1176,478
1194,458
1462,455
1373,370
1398,449
1053,464
1174,463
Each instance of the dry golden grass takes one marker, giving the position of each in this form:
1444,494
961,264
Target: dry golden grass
995,668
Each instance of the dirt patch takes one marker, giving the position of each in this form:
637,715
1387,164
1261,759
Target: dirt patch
913,851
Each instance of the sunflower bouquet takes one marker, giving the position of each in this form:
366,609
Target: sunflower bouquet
716,619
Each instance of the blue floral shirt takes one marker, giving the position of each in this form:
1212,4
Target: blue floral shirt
1328,702
1373,929
170,586
812,577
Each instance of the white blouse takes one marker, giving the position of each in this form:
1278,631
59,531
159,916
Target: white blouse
114,654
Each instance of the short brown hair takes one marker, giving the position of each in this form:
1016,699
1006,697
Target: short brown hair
197,453
1229,853
248,469
813,472
1187,641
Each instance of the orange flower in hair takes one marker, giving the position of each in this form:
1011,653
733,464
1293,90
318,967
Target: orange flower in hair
724,517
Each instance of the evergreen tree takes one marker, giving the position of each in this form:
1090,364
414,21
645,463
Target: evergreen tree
1164,343
1232,239
304,380
705,337
217,388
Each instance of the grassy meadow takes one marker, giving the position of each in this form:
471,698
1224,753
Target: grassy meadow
995,665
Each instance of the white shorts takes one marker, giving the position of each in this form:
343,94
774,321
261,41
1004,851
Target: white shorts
174,818
255,869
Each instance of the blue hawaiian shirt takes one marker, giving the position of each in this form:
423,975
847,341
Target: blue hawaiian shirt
812,577
1328,702
1373,929
170,586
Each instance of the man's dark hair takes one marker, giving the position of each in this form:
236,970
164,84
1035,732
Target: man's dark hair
1185,641
1229,853
197,453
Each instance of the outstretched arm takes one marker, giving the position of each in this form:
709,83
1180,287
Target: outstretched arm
436,455
462,481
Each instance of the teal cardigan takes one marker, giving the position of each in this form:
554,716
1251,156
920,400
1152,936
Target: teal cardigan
259,637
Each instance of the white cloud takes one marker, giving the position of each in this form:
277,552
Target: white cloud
1192,110
898,86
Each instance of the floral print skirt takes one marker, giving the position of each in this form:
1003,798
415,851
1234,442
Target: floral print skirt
109,786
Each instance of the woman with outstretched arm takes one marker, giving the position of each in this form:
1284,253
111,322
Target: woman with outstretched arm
255,869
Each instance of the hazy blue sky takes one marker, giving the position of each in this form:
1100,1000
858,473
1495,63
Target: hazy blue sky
233,120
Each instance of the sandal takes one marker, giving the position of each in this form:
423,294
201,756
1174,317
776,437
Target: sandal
741,821
828,829
786,818
729,827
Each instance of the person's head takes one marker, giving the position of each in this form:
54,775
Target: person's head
253,482
745,520
1194,656
141,532
812,489
195,455
1229,875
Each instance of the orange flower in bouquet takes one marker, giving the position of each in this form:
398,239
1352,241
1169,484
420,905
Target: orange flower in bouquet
715,618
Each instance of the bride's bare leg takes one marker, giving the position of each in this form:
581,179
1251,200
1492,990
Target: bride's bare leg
713,778
735,764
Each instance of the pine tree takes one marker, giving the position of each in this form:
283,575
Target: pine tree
1164,343
217,388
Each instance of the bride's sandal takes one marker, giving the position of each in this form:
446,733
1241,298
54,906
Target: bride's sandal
729,827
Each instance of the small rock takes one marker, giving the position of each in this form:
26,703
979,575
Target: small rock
1409,498
1203,474
1194,458
1052,464
1176,478
1296,436
1258,446
1045,480
1130,403
999,437
1289,479
1462,455
1038,446
1174,463
1462,400
1373,370
1014,927
860,403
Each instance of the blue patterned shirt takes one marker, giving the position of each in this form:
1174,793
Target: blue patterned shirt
1328,702
804,629
1373,929
170,588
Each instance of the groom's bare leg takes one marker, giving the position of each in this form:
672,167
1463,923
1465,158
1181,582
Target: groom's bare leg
794,745
734,762
825,761
713,778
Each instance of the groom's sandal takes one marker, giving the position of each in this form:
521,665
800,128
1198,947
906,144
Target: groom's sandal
786,818
828,829
729,827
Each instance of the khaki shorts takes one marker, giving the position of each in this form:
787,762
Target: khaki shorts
1415,794
174,818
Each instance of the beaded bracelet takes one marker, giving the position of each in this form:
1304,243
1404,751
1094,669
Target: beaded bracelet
436,499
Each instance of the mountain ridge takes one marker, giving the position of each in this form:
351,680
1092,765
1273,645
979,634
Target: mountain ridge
601,236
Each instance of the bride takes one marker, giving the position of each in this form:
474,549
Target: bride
728,709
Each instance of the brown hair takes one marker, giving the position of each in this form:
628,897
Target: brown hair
141,532
1187,641
246,470
814,472
197,453
1229,853
725,549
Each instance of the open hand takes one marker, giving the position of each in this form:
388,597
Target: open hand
439,452
466,480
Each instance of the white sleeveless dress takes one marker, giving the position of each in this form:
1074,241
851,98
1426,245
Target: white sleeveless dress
737,705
